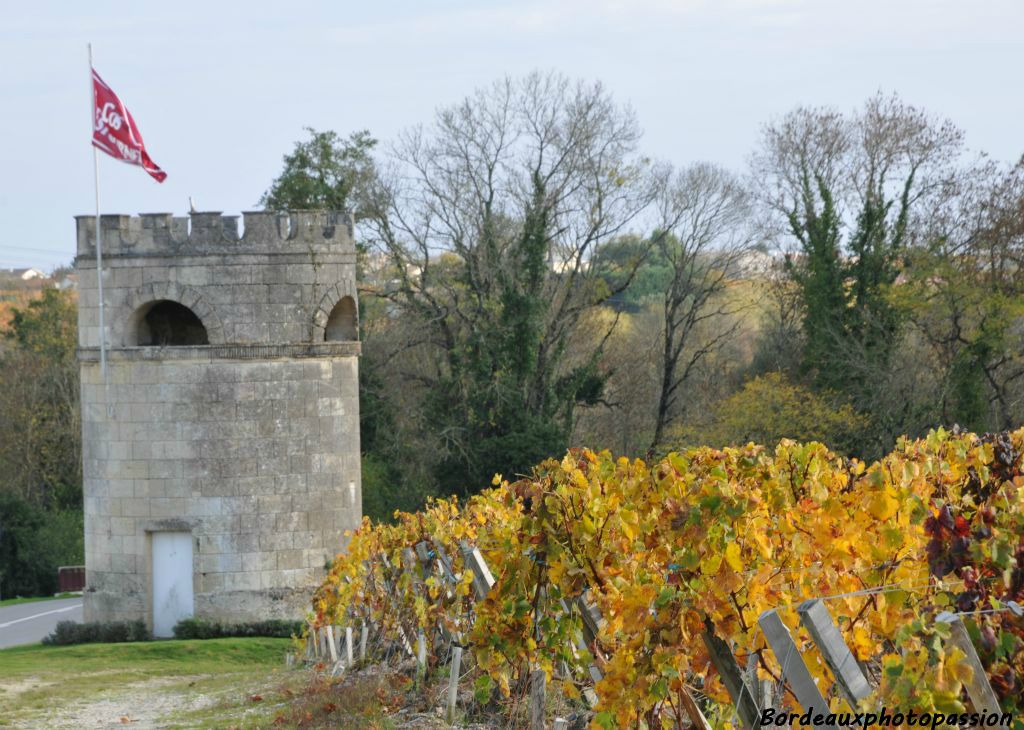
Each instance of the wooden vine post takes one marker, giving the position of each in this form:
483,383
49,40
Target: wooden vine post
482,578
593,622
538,690
453,684
724,661
389,591
428,566
331,646
794,670
983,697
421,655
853,684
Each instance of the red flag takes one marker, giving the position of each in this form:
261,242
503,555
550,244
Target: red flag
115,132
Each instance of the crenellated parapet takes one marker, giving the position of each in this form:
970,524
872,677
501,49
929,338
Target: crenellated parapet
270,278
263,232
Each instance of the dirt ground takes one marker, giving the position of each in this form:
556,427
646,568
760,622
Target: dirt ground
195,686
152,703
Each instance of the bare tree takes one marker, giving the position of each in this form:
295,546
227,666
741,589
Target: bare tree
851,191
779,345
707,236
490,218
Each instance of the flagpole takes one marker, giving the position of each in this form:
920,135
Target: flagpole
99,237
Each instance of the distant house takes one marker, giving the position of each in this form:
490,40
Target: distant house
26,274
755,264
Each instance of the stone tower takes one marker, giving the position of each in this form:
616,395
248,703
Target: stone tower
221,452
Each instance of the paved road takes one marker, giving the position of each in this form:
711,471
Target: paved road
27,623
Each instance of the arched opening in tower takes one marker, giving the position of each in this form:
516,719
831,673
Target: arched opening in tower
168,324
342,323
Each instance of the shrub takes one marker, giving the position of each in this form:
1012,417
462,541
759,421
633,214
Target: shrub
769,408
194,628
97,632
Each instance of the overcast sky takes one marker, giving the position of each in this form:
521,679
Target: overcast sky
222,90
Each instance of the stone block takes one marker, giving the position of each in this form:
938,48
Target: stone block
246,503
130,469
165,468
316,558
306,539
210,581
214,544
220,562
309,502
321,520
119,488
291,484
242,581
218,410
204,506
243,542
274,503
179,488
276,541
168,507
290,559
272,579
135,507
194,276
299,274
122,564
273,466
218,486
307,577
291,522
222,523
251,332
266,523
247,467
98,564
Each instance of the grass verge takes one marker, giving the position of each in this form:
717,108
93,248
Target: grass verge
36,599
86,684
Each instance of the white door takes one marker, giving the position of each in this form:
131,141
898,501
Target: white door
172,580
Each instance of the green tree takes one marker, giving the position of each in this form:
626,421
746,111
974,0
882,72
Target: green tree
40,447
325,172
636,260
34,543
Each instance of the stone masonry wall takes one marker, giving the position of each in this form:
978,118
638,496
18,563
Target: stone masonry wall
250,443
259,460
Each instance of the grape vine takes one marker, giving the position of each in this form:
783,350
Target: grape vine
708,540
